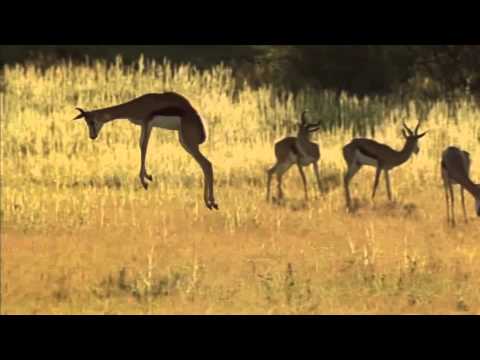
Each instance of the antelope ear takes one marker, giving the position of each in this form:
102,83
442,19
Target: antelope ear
404,133
421,135
81,115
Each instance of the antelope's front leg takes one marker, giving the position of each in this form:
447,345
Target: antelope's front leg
304,180
389,189
144,138
452,202
317,175
375,183
463,204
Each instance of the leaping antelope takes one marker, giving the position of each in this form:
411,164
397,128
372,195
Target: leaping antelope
361,152
296,150
167,110
455,168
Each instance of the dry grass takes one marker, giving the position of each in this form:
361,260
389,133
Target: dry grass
79,234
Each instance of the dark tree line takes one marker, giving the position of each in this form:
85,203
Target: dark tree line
431,72
440,71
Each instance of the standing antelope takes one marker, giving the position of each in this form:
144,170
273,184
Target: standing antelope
361,152
299,150
455,168
167,111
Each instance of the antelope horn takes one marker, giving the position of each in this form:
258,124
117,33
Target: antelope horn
416,129
408,130
81,115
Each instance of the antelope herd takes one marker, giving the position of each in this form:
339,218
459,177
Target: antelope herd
172,111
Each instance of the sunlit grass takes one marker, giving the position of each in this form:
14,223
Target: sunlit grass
80,235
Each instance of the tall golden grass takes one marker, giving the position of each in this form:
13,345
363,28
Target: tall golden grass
80,235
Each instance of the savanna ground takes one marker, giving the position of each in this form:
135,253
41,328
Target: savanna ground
80,235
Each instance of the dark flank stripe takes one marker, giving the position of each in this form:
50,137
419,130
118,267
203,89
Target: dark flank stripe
168,111
295,149
367,153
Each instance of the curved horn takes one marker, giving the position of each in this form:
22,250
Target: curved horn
421,135
81,115
406,128
416,129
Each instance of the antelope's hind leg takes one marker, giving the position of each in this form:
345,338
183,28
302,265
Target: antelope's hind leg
462,191
353,168
304,180
144,138
191,138
270,173
452,203
375,183
281,170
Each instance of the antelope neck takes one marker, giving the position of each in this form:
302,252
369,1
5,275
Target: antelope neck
405,153
112,113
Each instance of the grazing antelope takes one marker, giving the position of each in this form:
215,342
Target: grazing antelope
455,168
361,152
296,150
167,110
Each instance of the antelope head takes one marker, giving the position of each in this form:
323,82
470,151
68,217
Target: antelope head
94,125
305,126
412,137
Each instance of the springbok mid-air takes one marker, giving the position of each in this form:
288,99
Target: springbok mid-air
167,110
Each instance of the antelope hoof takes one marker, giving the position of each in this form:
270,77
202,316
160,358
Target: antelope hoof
149,177
144,183
211,205
350,209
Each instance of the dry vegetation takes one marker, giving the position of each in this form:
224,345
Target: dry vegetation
80,235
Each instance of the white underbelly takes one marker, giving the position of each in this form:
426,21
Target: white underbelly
166,122
303,160
365,160
306,160
446,177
